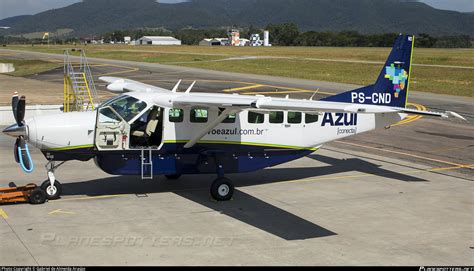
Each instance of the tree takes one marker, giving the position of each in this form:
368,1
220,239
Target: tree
284,34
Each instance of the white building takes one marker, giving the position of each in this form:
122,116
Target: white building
156,40
214,42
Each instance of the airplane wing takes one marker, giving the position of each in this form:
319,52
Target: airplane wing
245,102
261,103
116,84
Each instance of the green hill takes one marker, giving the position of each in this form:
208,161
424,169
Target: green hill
365,16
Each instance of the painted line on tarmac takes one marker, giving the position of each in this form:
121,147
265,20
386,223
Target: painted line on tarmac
61,211
383,174
243,88
129,70
3,214
411,118
405,154
90,198
278,92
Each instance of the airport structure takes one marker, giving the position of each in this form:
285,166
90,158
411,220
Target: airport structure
157,40
234,39
214,42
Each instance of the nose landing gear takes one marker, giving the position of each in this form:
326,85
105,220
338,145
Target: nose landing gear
52,187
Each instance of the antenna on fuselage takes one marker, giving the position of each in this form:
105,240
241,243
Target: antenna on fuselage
175,89
190,87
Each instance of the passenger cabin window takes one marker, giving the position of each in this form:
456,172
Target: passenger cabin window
276,117
256,118
310,118
230,119
199,115
176,115
294,117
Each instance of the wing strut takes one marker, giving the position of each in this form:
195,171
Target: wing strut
211,126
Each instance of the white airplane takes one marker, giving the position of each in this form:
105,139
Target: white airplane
151,131
4,27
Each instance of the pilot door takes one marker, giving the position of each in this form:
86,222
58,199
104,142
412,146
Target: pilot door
112,131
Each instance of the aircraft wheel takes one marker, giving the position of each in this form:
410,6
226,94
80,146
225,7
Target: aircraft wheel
222,189
37,196
52,192
173,176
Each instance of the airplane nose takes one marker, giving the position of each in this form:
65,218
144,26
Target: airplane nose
15,130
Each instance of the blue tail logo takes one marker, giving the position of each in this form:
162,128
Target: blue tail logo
392,85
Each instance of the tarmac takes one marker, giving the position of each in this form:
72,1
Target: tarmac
402,196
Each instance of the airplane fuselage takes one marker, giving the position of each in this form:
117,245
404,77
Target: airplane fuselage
248,142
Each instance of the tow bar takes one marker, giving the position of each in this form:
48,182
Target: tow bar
29,193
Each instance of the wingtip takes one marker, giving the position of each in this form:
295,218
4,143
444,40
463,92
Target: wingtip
456,115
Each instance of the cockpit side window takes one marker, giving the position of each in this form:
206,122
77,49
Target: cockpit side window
107,115
127,107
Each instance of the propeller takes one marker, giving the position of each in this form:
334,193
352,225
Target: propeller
19,130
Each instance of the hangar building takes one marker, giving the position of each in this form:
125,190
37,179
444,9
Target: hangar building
157,40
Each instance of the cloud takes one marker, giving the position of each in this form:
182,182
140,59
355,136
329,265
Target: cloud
457,5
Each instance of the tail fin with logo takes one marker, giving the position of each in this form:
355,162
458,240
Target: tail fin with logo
391,88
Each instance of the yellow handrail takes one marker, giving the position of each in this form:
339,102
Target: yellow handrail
88,90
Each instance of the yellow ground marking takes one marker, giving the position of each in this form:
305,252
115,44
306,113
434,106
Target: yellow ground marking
386,174
412,118
198,80
3,214
277,92
88,198
448,149
129,70
405,154
243,88
61,211
299,89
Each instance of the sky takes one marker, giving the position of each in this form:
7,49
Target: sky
9,8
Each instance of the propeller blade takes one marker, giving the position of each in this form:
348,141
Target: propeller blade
15,150
15,100
20,111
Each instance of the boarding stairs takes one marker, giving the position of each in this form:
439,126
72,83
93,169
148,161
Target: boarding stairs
147,164
80,93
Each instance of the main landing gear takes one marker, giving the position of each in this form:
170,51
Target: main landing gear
52,187
222,189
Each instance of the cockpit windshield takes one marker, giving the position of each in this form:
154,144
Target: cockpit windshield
127,107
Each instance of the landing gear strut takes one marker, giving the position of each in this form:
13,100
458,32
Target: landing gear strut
52,187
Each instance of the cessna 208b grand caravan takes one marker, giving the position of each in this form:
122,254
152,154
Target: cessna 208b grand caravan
151,131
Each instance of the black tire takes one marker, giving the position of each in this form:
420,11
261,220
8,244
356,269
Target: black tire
222,189
52,194
37,196
173,176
